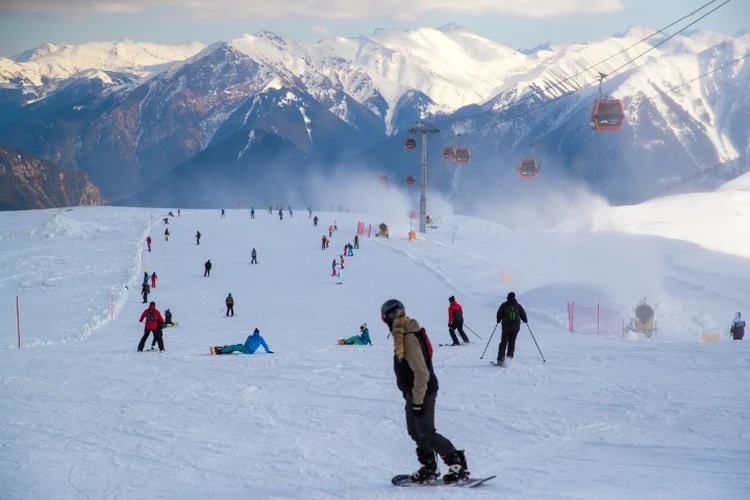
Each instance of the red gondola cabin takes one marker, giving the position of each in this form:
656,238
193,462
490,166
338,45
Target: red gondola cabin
411,143
448,153
607,115
410,180
528,168
462,156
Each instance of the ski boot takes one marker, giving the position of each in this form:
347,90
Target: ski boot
215,349
457,470
429,470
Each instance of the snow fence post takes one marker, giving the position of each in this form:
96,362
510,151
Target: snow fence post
571,309
111,308
18,322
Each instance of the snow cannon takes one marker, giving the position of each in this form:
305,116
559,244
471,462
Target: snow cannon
643,322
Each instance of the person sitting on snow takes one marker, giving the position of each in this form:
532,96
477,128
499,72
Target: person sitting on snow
362,339
252,343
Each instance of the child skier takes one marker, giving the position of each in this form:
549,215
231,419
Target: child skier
252,343
362,339
148,243
154,277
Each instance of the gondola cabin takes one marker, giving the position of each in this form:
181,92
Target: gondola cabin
607,115
462,156
528,168
410,143
410,180
448,153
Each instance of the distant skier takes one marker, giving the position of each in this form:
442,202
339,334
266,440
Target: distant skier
145,277
333,267
323,242
166,234
197,237
335,227
341,258
315,221
222,213
309,213
356,242
154,277
350,250
253,256
145,290
291,214
281,215
168,317
207,268
738,327
340,276
148,243
230,304
178,212
456,321
509,314
330,231
362,339
252,213
170,214
153,325
252,343
412,362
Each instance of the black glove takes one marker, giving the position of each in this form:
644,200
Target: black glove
418,410
498,321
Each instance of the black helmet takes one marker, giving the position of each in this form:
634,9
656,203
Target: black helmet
451,299
512,295
389,309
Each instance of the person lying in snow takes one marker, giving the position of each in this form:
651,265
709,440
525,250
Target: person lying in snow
253,342
362,339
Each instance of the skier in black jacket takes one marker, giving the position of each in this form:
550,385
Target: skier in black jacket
207,270
412,362
510,314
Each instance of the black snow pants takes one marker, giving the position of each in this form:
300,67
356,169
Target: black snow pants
422,429
254,260
157,337
230,309
507,340
457,325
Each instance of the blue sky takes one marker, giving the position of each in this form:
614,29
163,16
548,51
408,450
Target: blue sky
515,23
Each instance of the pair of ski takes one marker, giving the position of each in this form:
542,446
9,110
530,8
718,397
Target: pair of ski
404,480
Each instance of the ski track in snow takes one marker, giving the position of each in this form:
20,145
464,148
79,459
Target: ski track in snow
84,416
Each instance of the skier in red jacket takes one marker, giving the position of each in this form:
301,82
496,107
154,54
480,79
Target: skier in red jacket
154,324
456,321
148,242
154,277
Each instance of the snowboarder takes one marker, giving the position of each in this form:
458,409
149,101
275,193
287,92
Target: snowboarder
153,325
509,314
154,277
323,242
230,304
197,237
148,243
252,343
738,327
253,257
356,242
415,377
315,221
456,321
281,215
166,234
362,339
207,268
145,290
168,317
222,213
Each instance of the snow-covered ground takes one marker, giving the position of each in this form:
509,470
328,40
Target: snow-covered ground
82,415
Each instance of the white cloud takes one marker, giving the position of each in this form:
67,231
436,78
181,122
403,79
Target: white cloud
322,9
320,30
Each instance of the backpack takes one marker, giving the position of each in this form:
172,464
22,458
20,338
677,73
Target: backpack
511,314
423,333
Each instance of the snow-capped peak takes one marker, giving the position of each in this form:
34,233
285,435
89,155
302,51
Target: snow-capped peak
637,32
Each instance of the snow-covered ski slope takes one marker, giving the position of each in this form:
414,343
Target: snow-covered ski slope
82,415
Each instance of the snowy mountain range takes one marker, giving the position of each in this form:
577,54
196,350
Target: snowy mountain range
252,111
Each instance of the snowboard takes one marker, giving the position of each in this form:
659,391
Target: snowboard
404,480
174,323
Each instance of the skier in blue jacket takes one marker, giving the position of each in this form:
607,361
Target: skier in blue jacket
253,342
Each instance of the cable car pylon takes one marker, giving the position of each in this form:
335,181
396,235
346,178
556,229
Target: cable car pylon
423,129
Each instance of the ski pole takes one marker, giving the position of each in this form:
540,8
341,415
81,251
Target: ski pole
472,331
537,345
488,342
221,310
